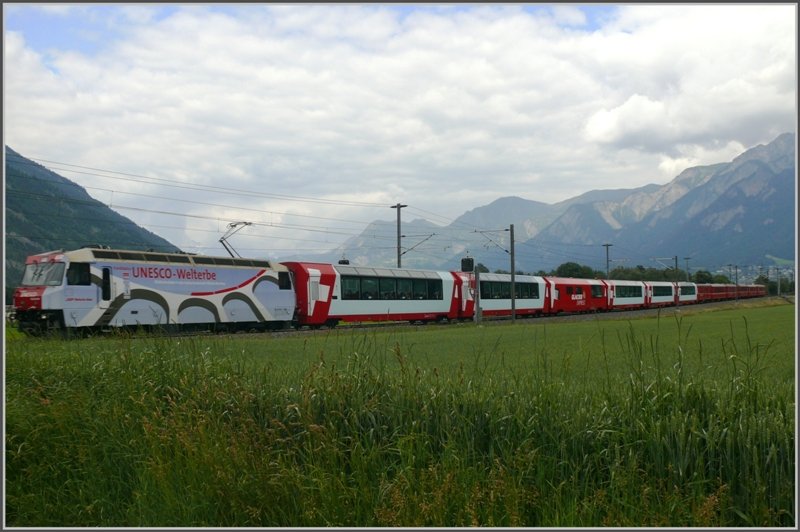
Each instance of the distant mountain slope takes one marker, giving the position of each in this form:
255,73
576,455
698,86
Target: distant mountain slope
739,212
45,211
736,212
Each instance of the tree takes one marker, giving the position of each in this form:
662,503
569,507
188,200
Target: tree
702,277
573,269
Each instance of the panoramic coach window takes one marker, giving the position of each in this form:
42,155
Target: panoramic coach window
369,288
629,291
351,288
388,288
661,291
526,290
405,287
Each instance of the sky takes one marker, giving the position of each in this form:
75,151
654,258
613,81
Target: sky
310,120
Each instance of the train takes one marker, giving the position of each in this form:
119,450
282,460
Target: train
95,288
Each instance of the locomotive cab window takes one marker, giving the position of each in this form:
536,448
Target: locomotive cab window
78,274
43,274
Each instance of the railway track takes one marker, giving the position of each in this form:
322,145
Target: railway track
505,320
669,311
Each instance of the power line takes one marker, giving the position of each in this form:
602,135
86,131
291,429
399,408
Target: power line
137,178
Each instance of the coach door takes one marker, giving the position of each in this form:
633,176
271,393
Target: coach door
317,292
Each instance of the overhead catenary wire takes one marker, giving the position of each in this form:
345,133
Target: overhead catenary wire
539,249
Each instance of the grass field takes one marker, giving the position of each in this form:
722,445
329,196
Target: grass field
687,419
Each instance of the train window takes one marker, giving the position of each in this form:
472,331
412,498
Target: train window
688,290
369,288
420,289
597,290
78,274
487,290
101,254
43,274
405,288
284,281
662,291
505,290
526,290
351,287
106,286
388,288
629,291
184,259
434,289
131,255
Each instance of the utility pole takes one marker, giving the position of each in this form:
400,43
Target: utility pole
607,259
477,315
513,285
398,207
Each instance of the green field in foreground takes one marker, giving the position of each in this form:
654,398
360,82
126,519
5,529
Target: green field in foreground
682,420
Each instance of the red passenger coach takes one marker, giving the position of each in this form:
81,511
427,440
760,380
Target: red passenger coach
330,293
714,292
576,295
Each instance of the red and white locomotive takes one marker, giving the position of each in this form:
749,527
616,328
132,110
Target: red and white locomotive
93,288
96,288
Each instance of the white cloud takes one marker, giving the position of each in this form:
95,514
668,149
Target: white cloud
442,109
569,15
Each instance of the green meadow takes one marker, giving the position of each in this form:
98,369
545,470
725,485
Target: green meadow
684,419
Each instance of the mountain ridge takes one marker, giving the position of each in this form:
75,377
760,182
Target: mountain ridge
639,219
719,214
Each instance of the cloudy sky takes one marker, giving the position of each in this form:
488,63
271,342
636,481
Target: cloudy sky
310,120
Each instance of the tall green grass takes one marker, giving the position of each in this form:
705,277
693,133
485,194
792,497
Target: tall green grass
676,421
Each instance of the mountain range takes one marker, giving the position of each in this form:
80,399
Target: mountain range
740,212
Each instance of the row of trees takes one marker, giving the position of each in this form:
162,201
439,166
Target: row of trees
640,273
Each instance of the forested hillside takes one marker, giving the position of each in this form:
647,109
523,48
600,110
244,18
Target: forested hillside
45,211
